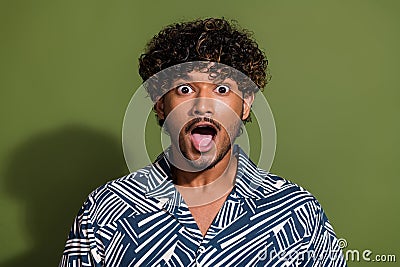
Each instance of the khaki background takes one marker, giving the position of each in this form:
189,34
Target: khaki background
69,68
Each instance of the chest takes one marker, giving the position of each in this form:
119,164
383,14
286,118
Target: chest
205,214
160,239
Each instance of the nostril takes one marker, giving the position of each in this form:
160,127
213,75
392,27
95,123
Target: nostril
202,114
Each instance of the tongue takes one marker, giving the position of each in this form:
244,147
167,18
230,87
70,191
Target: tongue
202,142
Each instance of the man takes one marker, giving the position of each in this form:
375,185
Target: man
202,202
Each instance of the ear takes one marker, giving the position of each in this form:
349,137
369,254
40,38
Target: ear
159,108
248,100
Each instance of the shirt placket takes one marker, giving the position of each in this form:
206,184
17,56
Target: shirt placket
233,209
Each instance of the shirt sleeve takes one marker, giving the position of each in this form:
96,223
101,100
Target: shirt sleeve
322,248
82,248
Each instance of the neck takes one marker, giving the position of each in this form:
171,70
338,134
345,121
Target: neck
206,186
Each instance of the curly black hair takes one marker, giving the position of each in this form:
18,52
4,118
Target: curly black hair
204,40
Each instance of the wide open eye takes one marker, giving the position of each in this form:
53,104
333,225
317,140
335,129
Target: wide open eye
222,89
184,89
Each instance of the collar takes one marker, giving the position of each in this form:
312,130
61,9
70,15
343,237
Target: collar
249,183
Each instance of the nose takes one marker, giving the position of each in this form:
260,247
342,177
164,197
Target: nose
203,106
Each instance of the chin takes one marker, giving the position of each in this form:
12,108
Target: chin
199,160
208,160
202,164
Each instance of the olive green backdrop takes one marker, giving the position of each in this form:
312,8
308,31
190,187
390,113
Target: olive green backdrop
69,68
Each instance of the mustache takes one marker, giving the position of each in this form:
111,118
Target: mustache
199,119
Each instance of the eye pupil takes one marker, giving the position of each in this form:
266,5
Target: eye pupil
185,90
222,89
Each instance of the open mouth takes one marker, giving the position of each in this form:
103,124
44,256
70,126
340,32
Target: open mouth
202,137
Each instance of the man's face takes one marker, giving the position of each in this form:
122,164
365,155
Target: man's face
203,118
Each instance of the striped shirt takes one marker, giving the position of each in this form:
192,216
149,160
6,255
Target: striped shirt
142,220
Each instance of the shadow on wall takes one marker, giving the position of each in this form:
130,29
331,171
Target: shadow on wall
53,173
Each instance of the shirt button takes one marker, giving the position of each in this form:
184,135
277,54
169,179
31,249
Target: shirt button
201,249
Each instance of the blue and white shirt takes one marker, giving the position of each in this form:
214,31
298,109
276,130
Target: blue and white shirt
142,220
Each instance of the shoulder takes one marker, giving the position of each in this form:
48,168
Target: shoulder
276,186
283,207
287,195
119,198
285,198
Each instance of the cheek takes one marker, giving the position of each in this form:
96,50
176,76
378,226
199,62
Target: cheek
176,116
229,115
231,109
169,106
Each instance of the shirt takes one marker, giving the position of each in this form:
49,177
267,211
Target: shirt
142,220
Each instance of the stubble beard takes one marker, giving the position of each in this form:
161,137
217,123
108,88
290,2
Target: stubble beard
203,162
